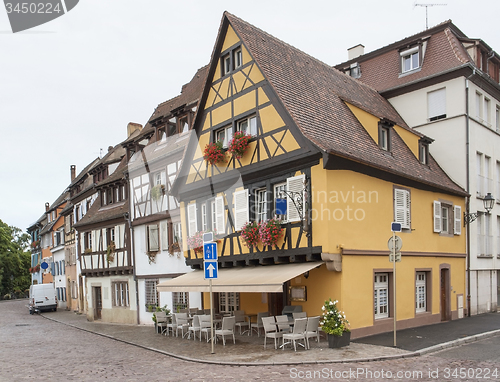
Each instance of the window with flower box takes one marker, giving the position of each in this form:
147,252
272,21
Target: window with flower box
248,125
180,300
224,136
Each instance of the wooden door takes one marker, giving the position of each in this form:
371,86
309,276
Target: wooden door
97,303
275,303
445,296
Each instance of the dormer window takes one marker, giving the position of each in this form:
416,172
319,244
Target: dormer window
355,70
410,59
384,138
423,151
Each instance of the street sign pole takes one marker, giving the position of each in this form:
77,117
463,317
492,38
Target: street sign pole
394,282
211,315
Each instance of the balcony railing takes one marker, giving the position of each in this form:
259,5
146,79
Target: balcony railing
295,247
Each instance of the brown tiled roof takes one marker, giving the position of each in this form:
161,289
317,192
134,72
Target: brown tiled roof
190,94
381,68
315,94
97,214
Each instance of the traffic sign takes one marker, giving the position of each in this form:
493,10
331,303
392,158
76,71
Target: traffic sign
210,251
211,269
396,243
396,227
398,257
44,265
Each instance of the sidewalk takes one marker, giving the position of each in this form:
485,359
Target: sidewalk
249,350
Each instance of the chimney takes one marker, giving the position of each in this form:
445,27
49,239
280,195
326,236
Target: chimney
355,52
110,148
47,206
132,127
73,172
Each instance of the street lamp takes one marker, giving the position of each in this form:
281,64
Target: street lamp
488,203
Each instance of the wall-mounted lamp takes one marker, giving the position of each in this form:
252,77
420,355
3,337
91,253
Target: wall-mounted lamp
488,203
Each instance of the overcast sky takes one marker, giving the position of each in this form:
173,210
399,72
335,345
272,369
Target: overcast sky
68,88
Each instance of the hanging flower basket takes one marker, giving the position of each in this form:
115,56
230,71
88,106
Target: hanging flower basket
110,253
195,242
270,232
214,153
250,234
239,144
157,191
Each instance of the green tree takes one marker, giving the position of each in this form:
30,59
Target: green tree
14,260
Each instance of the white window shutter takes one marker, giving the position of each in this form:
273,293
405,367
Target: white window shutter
437,216
240,209
436,103
164,235
153,238
220,215
402,205
294,184
192,219
457,229
163,178
94,246
98,240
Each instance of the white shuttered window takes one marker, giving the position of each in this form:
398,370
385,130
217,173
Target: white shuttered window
192,219
402,204
436,208
220,217
240,209
295,185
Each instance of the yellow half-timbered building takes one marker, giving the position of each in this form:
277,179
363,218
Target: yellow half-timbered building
334,164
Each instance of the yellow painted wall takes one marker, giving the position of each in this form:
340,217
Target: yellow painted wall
357,284
354,210
370,123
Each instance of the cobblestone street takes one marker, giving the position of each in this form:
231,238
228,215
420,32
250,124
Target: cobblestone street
36,348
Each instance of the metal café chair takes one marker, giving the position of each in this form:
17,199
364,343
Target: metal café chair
257,325
312,329
241,321
270,330
195,328
298,333
227,329
283,323
161,322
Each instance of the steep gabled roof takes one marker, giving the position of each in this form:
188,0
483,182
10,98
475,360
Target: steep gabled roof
443,52
190,95
315,96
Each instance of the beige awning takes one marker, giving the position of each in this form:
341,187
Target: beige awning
261,278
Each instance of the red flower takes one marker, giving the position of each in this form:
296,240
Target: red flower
270,232
239,144
214,153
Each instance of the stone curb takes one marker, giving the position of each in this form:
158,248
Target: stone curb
417,353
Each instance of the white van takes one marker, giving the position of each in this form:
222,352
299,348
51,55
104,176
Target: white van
42,297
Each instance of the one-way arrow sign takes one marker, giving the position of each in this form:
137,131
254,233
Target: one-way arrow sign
211,269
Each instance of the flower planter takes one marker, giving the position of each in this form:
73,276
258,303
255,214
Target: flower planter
339,341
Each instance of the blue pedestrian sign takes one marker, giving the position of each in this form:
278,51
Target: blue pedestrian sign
210,251
211,269
396,227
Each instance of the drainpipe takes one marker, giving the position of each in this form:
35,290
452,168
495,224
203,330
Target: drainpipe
467,183
132,249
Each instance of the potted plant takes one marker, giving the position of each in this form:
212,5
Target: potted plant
110,255
335,324
214,153
195,242
157,192
250,234
270,231
239,144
